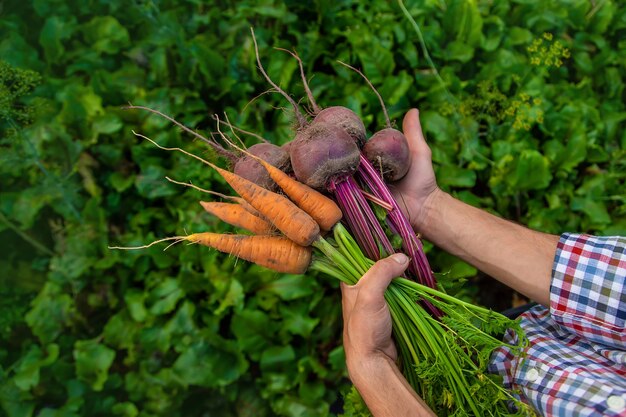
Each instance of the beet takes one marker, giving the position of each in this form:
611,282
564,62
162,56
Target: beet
323,153
346,119
327,149
250,169
287,146
388,149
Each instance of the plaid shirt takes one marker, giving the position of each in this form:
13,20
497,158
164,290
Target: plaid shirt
575,364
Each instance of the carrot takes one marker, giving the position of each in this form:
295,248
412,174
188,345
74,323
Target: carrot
291,220
243,203
238,216
275,252
323,210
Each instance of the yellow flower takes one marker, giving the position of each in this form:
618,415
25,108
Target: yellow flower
547,36
524,96
537,101
535,61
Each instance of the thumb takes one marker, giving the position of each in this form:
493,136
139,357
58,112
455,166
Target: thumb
412,129
375,281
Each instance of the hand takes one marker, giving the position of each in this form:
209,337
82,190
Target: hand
419,186
370,353
366,317
514,255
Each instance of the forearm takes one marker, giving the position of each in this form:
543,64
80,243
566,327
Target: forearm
385,391
517,256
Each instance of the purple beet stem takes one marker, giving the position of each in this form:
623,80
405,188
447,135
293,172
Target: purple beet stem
410,243
362,220
356,222
368,232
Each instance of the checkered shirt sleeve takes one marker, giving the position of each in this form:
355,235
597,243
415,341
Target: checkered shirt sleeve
588,294
575,363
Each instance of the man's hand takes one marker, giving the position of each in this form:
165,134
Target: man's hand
419,186
514,255
370,352
366,318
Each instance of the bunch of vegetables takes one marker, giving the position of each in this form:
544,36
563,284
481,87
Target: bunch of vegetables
321,202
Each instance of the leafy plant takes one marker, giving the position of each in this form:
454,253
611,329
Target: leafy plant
87,331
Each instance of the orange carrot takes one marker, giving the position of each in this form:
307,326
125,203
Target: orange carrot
275,252
238,216
243,203
237,200
291,220
324,210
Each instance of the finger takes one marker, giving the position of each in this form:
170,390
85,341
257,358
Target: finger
374,282
412,129
348,298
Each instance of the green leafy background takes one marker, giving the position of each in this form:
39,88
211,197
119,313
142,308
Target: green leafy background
522,102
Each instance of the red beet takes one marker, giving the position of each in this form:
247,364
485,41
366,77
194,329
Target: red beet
346,119
388,150
323,153
252,170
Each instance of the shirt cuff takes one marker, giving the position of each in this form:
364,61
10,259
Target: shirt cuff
587,292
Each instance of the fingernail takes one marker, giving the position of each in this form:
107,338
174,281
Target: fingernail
400,258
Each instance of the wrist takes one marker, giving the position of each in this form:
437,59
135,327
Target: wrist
428,209
365,370
385,390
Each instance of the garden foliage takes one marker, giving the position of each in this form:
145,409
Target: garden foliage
522,102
